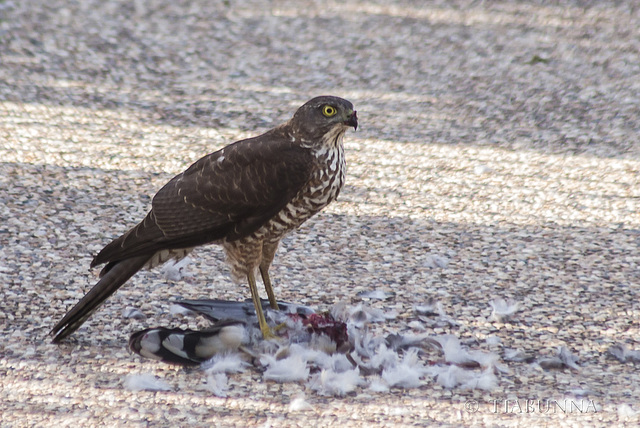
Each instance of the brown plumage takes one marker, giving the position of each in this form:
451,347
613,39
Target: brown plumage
246,197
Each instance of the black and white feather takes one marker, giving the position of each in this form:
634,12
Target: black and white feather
189,347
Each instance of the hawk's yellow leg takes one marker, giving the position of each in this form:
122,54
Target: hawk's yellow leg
264,328
264,271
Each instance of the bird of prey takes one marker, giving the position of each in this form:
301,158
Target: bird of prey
245,197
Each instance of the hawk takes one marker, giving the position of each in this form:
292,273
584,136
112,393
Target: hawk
245,197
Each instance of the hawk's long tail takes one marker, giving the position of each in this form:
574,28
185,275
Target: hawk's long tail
112,279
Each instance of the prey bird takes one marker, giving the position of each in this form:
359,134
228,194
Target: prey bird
245,197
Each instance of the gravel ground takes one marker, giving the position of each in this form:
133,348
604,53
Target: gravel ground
497,157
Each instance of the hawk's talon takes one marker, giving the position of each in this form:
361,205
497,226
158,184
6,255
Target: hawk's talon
280,326
267,334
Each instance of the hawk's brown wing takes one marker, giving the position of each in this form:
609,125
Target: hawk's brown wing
226,194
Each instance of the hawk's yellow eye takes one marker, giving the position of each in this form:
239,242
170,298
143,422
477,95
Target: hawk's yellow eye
329,111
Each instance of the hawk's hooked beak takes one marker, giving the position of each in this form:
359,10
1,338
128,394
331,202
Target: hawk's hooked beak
352,121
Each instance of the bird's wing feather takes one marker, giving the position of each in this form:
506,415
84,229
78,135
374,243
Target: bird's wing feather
226,194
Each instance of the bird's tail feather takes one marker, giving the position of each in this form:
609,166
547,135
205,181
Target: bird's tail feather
113,279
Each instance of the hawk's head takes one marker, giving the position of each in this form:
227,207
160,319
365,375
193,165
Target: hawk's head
322,115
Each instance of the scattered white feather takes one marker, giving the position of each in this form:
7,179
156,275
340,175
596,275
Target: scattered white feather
568,358
452,349
454,353
516,355
403,376
341,311
299,404
482,169
328,382
135,313
340,363
564,359
433,261
312,357
633,356
624,354
411,358
487,360
453,376
618,351
290,369
175,309
322,343
269,347
447,376
364,342
377,384
428,308
493,340
359,315
376,294
145,382
503,310
416,325
175,270
625,411
407,373
381,358
486,380
225,363
390,315
580,392
276,317
405,341
217,383
18,333
442,317
391,362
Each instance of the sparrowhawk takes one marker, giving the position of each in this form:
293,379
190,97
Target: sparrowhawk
245,197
